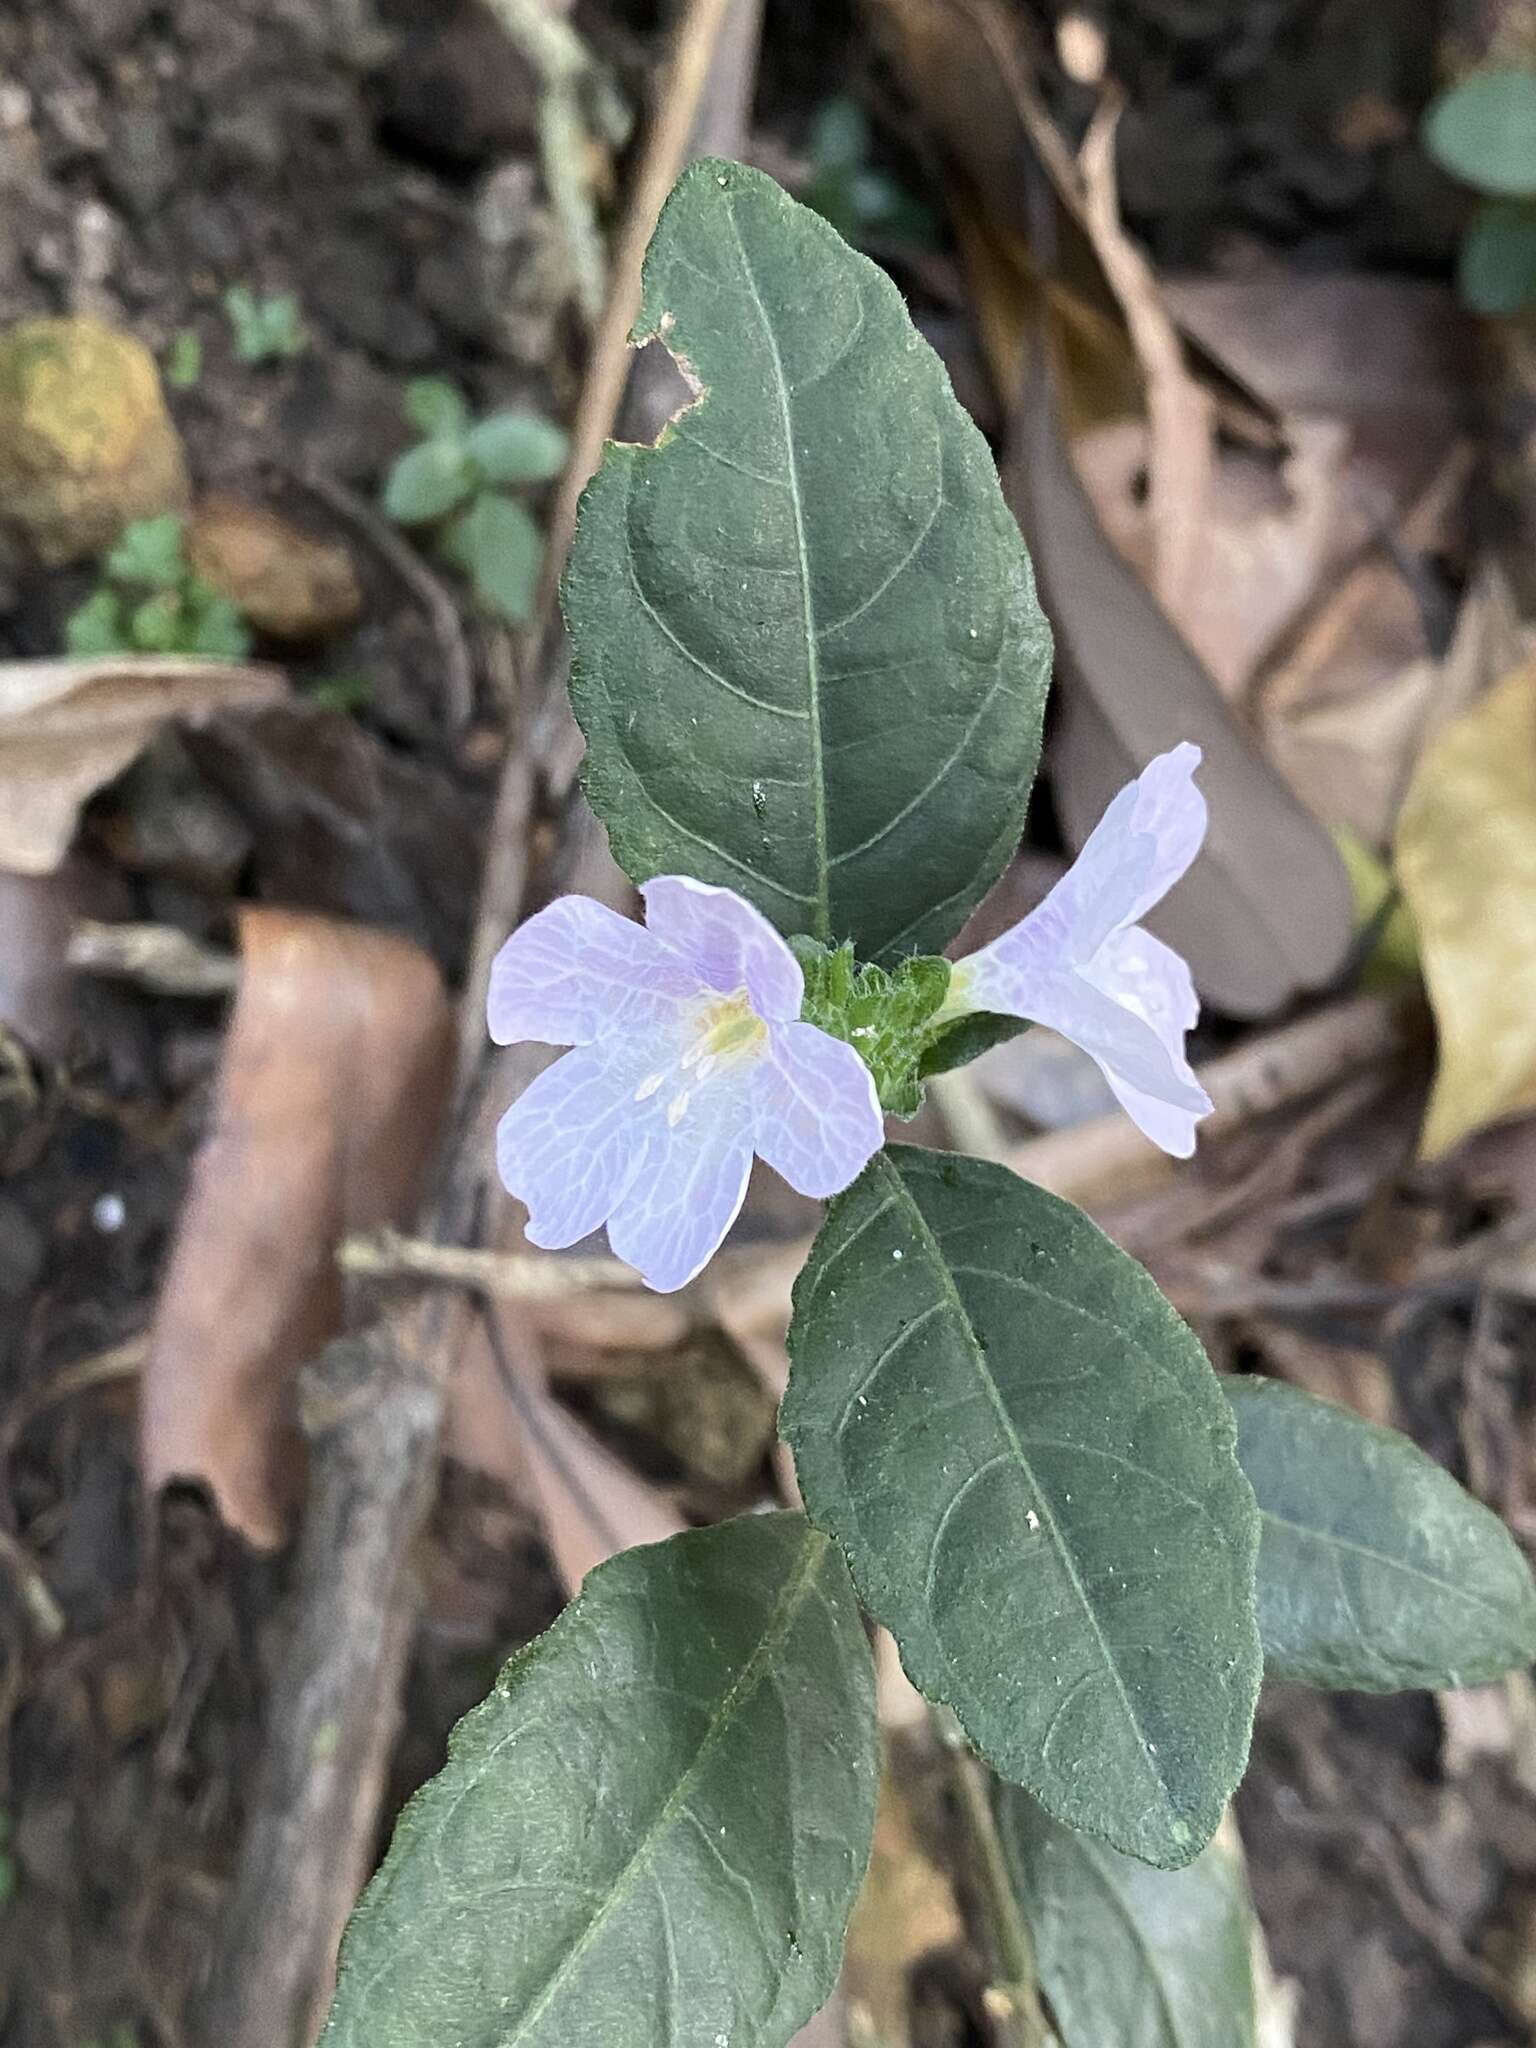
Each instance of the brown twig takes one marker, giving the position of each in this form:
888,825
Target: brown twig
508,1276
36,1594
376,1401
429,590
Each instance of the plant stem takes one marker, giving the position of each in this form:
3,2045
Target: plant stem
1013,1998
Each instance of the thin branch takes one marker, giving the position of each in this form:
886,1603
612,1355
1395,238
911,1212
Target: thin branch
429,590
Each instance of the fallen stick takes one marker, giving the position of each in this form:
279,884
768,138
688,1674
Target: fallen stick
374,1403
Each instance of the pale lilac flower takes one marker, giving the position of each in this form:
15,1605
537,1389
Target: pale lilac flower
689,1057
1081,964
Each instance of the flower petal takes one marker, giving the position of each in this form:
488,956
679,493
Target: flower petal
1140,847
817,1118
726,942
1130,1050
577,969
573,1141
1153,981
688,1188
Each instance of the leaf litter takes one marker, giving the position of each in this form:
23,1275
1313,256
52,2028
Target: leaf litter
1304,1238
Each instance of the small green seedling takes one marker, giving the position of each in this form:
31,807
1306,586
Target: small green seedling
349,691
456,480
267,329
151,601
1483,131
862,203
184,359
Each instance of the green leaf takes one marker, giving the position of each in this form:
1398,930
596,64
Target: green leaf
214,625
1496,268
184,360
502,550
1483,131
427,482
809,662
436,407
149,552
97,626
1030,1465
1376,1570
155,626
266,328
963,1039
518,448
839,135
653,1829
1131,1957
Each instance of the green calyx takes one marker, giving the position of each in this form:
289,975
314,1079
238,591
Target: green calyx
886,1014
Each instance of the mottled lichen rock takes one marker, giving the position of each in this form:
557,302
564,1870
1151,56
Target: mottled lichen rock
86,442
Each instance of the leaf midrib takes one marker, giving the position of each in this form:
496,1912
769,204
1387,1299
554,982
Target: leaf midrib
1174,2027
1328,1539
822,905
1047,1505
786,1607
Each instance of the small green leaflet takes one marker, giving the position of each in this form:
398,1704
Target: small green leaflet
1131,1957
1030,1464
1483,130
653,1829
1376,1570
808,658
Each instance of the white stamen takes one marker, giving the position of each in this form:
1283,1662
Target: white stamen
649,1086
707,1066
676,1109
694,1053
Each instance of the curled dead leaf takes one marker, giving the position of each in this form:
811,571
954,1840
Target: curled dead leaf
1266,910
1465,854
67,728
332,1089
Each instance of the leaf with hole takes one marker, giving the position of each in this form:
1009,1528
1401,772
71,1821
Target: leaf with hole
1030,1464
1129,1956
1376,1570
653,1829
809,661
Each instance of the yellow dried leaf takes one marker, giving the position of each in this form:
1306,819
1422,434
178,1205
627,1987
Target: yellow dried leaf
1466,860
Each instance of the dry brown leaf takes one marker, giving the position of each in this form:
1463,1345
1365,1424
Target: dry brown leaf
506,1423
1274,530
39,995
329,1099
1465,854
1295,338
1266,910
1181,414
67,728
905,1911
1361,696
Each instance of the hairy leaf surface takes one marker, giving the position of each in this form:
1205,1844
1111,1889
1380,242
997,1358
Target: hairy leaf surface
809,661
1135,1957
651,1832
1030,1464
1376,1570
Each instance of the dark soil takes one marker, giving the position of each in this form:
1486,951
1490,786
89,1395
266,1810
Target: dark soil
152,153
